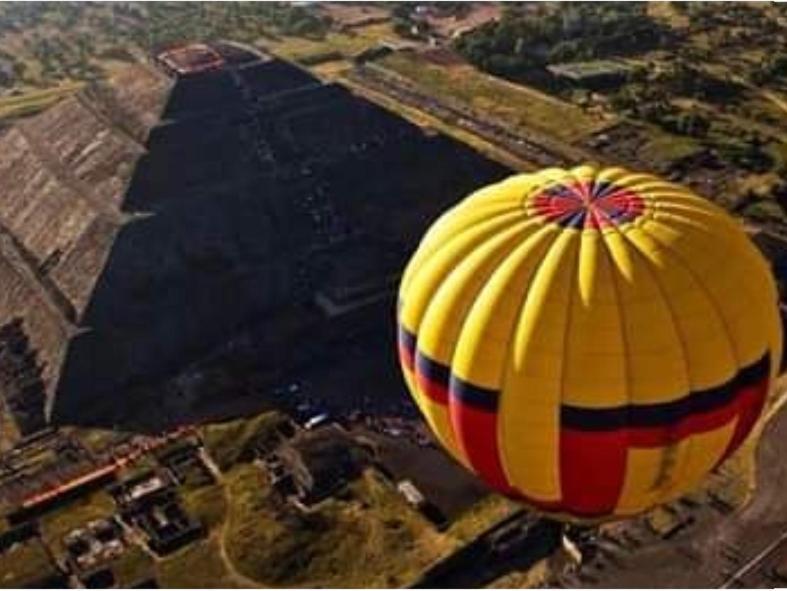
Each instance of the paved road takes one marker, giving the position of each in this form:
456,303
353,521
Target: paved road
759,572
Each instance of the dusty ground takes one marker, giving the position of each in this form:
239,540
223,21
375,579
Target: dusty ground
352,14
480,13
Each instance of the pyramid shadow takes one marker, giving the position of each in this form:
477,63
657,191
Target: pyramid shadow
262,193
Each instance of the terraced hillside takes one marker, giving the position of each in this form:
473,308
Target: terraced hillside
145,225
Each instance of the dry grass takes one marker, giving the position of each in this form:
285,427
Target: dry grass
527,579
371,539
518,105
478,518
24,565
425,120
666,12
9,433
666,147
55,525
345,44
197,566
661,521
133,567
226,442
206,504
33,102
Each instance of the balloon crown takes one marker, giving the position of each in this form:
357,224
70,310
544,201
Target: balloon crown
587,204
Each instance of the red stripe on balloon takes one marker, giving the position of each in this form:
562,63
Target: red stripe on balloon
475,431
750,403
647,437
592,470
406,357
433,390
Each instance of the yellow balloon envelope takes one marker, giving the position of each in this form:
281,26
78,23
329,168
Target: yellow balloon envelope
591,342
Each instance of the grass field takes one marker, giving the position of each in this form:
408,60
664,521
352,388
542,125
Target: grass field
516,104
32,102
531,578
193,567
345,45
666,147
9,433
370,539
365,537
96,440
24,565
427,121
134,566
478,518
55,525
227,441
206,504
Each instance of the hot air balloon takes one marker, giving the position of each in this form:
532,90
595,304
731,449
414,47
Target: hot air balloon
589,341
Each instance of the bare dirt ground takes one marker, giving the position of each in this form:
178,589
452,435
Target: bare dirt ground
351,14
480,13
443,57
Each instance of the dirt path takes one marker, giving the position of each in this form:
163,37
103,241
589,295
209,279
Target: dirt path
221,534
766,94
776,100
239,578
